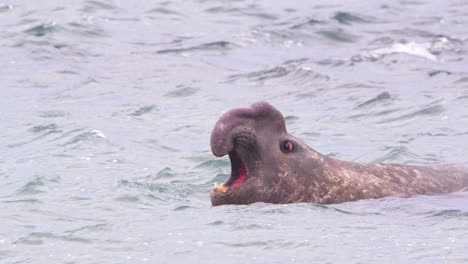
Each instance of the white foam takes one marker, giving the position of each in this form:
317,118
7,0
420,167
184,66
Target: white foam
98,133
410,48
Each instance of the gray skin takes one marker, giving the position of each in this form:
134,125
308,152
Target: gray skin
254,137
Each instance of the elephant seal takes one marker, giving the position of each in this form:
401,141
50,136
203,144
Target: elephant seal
269,165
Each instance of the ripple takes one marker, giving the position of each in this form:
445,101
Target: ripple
163,10
182,92
244,244
42,30
165,173
309,23
156,145
5,8
215,163
222,9
438,72
182,208
383,97
428,111
462,133
44,131
90,228
174,190
376,114
272,73
69,133
269,244
414,32
276,210
348,18
88,136
290,119
463,97
5,254
50,127
245,12
394,154
462,80
291,71
143,110
67,72
88,30
26,201
216,223
254,226
94,6
127,198
338,35
39,238
448,214
211,46
34,186
333,62
311,134
261,15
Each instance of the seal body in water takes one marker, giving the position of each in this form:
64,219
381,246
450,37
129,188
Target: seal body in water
269,165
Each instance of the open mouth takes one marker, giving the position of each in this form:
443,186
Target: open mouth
238,174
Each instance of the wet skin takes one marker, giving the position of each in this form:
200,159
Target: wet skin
270,165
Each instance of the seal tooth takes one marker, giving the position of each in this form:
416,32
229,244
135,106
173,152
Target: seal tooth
220,186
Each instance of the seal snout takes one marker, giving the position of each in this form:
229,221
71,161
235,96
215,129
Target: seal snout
222,138
221,143
223,134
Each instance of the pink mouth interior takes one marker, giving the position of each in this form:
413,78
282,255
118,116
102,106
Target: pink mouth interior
241,177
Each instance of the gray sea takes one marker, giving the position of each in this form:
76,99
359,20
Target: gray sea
106,110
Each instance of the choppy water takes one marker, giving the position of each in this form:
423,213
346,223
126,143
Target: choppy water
107,108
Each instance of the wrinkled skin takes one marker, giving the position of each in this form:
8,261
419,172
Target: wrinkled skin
256,137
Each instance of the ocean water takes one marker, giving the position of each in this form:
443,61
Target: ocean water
106,110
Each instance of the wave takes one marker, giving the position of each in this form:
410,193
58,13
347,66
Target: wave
294,72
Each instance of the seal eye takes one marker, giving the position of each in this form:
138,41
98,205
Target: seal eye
287,146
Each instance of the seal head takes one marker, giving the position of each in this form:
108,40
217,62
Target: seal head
264,156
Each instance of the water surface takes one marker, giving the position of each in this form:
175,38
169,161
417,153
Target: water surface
107,108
